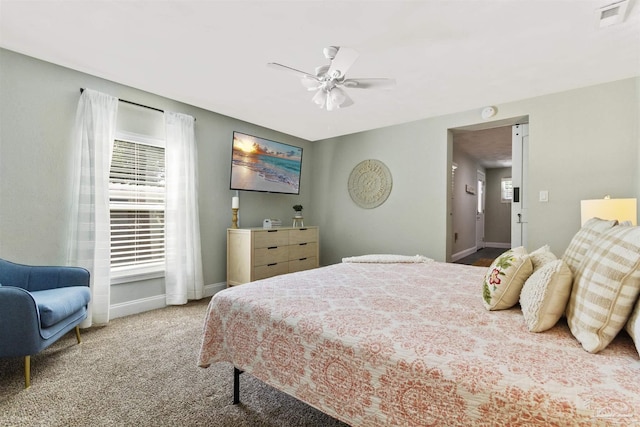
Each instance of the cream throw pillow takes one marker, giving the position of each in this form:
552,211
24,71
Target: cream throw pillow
633,325
504,279
545,294
541,256
605,288
583,239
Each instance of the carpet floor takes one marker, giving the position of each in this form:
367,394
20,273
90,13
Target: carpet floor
141,370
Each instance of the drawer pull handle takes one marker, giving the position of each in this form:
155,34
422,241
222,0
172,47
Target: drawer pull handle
272,231
303,229
302,244
303,259
272,264
272,247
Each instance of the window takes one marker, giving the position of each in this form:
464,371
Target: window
136,202
506,190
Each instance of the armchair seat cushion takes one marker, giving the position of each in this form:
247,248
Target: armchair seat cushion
59,303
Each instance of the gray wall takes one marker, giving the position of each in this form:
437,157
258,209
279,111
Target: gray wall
464,205
497,226
38,102
583,144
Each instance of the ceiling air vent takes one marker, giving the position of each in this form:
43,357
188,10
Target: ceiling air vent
612,14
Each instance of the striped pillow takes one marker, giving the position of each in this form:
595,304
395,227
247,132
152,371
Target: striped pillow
583,239
605,288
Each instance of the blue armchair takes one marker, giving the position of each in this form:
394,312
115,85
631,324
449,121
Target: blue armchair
38,305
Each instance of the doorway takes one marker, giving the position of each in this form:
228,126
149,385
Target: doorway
483,156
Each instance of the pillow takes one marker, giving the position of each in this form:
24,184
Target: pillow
504,279
605,288
541,256
545,294
387,259
633,326
583,239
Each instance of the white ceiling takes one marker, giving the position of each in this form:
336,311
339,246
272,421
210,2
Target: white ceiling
447,55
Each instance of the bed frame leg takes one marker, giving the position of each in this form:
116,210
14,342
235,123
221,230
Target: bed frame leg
236,385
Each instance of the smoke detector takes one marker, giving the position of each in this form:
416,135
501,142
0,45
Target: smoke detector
612,14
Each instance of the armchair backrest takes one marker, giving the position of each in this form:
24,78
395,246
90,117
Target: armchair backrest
39,278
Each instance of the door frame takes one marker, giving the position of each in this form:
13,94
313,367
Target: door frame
480,202
449,199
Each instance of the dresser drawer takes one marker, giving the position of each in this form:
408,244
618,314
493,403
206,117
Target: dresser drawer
270,255
269,270
303,264
303,250
268,238
303,235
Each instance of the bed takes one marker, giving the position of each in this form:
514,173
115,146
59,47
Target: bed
411,344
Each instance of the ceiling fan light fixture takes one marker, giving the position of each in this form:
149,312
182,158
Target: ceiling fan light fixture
337,96
321,70
310,83
319,98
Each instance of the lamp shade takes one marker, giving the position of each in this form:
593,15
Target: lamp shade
620,209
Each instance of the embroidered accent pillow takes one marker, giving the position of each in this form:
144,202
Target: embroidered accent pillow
504,279
545,294
605,288
583,239
541,256
633,326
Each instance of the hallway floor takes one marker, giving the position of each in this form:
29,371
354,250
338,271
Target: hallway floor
487,253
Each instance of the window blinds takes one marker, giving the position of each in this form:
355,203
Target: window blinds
137,200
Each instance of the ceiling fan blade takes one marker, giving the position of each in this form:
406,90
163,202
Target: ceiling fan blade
369,83
343,60
281,67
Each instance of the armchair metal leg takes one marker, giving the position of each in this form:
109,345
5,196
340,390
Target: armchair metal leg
27,371
78,334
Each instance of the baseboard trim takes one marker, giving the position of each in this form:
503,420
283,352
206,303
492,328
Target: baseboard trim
498,245
464,253
211,290
152,303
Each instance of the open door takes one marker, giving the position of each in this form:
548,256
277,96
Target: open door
519,174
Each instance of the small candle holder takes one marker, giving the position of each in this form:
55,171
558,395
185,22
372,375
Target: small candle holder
234,218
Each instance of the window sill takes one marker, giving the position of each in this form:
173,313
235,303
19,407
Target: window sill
136,274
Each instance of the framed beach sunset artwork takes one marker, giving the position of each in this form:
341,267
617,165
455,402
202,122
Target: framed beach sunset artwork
259,164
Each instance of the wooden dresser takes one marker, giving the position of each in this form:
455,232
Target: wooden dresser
256,253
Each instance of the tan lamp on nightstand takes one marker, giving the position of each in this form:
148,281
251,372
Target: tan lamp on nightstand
608,208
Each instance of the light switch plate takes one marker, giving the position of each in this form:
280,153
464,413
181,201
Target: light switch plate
544,196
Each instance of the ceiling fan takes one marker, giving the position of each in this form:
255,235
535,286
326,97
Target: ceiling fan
329,80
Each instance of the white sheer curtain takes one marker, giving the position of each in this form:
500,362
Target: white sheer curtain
183,272
89,232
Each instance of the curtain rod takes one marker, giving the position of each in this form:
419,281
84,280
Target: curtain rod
133,103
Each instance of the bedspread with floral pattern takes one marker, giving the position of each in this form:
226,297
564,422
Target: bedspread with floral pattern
412,345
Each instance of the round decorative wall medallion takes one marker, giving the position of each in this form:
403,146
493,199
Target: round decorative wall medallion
370,183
